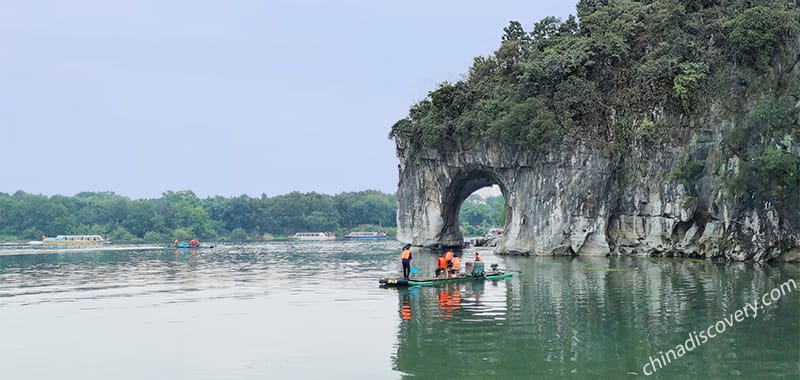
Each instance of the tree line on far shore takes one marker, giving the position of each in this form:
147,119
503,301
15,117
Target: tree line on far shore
182,215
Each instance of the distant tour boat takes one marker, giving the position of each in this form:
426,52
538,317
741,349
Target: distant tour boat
366,235
75,240
314,236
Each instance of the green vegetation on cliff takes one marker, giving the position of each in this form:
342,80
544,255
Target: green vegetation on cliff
635,76
623,72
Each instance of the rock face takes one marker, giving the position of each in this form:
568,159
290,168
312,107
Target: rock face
594,198
582,200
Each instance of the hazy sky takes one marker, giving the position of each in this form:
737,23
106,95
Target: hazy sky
226,97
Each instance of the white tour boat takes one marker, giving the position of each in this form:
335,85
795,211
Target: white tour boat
314,236
82,240
366,235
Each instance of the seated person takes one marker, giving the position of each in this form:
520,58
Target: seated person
456,268
441,265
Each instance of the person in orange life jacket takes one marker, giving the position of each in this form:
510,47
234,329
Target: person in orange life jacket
405,258
441,265
456,266
478,258
448,256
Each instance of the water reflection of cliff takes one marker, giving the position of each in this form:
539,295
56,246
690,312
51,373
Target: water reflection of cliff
599,317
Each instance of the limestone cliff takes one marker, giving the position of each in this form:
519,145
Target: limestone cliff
581,200
655,128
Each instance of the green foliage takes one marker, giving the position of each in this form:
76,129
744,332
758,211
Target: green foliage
776,114
768,172
596,79
735,142
154,236
366,207
120,234
689,81
477,215
526,123
649,133
238,234
688,170
182,215
773,174
769,117
759,34
183,234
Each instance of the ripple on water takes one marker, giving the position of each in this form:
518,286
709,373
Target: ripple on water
308,310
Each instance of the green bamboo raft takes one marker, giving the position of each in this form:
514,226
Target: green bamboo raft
402,282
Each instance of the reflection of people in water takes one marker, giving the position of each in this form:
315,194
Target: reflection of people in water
405,312
477,290
445,304
405,308
449,301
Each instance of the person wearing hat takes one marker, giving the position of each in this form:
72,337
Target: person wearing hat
405,258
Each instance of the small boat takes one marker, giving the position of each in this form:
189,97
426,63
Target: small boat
187,244
366,235
314,236
81,240
477,274
401,282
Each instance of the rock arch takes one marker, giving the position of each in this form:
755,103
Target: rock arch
461,187
555,202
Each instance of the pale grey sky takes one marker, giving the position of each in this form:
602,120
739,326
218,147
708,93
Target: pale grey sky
226,98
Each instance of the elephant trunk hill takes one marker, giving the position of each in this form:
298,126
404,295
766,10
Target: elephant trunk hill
654,128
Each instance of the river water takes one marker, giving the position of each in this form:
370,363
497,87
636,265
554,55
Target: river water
314,311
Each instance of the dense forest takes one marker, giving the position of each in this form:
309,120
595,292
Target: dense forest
629,74
182,215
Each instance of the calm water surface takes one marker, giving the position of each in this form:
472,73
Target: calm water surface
314,311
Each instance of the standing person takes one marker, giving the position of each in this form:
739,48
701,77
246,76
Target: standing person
405,258
478,258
